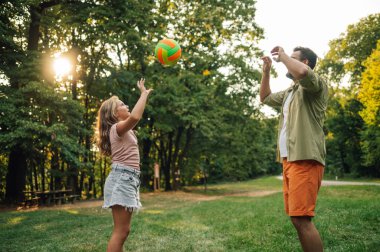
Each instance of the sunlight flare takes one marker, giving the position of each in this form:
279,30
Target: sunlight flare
62,66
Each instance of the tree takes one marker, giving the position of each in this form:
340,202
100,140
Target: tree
201,114
29,118
348,52
199,101
343,140
369,93
352,142
369,96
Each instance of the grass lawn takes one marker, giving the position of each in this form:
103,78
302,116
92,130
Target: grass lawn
348,177
244,216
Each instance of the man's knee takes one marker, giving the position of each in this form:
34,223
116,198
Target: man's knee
300,222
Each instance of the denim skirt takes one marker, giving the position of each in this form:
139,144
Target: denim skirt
122,188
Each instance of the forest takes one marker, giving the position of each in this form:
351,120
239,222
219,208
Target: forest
203,122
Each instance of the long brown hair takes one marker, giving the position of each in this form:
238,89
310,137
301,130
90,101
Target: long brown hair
106,118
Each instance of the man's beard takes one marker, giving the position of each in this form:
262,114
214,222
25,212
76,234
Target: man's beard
290,76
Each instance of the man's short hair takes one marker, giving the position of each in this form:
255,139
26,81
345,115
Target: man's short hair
308,54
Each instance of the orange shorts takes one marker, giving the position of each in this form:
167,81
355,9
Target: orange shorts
301,182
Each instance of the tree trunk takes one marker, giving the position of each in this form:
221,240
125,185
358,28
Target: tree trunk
165,166
73,56
34,28
35,175
103,167
174,161
42,172
170,154
145,165
81,182
72,178
58,179
345,168
31,179
91,185
183,154
15,179
146,169
54,166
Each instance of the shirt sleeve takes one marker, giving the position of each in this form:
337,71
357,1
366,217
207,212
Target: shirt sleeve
113,133
275,99
311,82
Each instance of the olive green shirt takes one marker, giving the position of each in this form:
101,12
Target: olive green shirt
305,136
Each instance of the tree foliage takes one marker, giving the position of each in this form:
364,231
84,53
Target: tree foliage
369,93
369,96
353,114
201,118
348,52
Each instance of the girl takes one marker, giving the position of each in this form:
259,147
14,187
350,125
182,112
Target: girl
117,139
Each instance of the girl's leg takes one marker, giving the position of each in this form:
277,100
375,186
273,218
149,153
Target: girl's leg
122,226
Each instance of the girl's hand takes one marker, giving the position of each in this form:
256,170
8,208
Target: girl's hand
141,86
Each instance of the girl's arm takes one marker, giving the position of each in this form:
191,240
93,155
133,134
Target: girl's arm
137,111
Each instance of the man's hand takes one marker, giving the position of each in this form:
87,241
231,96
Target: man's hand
278,51
264,87
267,64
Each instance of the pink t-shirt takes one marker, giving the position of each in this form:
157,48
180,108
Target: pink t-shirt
124,149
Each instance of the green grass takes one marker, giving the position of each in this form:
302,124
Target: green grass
349,177
262,184
348,218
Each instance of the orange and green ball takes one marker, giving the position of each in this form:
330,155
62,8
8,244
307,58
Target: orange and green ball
168,52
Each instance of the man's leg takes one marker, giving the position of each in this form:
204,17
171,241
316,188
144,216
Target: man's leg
307,233
305,177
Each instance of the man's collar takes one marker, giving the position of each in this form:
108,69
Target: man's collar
295,85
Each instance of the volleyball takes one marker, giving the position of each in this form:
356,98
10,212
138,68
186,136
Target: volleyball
168,52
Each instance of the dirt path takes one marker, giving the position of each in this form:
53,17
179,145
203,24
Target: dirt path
78,204
188,196
201,197
185,196
180,195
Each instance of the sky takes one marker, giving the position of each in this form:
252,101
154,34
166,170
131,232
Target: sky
291,23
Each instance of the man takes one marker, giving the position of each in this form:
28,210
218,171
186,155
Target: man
301,140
